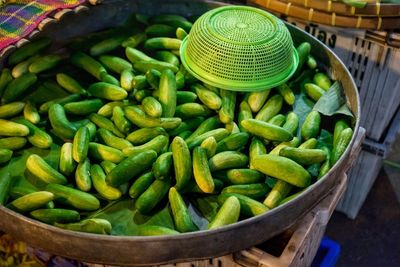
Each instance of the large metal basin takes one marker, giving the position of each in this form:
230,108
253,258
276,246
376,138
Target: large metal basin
183,247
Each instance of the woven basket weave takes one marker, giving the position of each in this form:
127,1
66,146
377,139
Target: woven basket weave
374,16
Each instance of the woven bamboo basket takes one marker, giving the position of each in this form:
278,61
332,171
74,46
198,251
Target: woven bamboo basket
374,16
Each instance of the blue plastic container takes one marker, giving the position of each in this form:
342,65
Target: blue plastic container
328,253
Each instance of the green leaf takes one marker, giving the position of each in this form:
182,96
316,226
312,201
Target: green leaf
344,109
208,206
125,219
325,139
197,218
314,169
332,102
302,106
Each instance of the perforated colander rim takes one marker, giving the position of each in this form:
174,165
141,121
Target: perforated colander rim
260,85
228,84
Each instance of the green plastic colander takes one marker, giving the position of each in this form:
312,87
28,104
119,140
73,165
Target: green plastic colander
239,48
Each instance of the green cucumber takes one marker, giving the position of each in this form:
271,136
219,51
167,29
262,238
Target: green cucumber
266,130
183,97
144,135
192,110
82,176
182,162
92,225
227,214
311,125
254,191
162,167
130,167
13,143
155,230
256,100
218,134
118,117
244,176
31,113
167,56
207,97
43,171
201,170
233,142
162,43
37,136
152,107
244,113
89,64
11,109
158,144
126,79
280,190
248,206
73,197
81,144
292,123
70,84
51,216
340,147
60,122
5,155
44,63
99,183
109,139
101,152
282,168
314,91
227,111
17,87
28,50
141,184
270,108
180,213
31,201
322,80
67,164
105,123
167,96
114,63
228,160
152,196
210,146
107,91
84,107
139,118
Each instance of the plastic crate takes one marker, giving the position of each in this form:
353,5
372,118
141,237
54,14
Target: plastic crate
366,169
374,61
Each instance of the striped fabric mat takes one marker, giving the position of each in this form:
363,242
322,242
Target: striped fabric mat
18,18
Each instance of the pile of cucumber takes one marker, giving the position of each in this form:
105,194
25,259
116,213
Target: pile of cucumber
115,115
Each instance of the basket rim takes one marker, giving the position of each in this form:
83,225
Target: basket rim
331,19
372,9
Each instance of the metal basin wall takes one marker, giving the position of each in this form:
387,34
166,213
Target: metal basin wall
184,247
